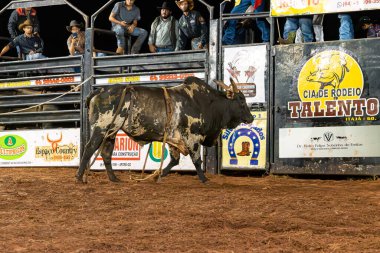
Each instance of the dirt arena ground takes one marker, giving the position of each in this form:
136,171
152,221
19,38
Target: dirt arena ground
44,210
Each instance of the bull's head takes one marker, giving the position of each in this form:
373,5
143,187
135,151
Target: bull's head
239,109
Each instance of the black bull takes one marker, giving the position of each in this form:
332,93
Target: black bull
199,113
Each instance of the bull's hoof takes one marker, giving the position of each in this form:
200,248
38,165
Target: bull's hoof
79,180
204,180
115,179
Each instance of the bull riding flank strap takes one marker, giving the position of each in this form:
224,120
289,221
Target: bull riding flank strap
169,114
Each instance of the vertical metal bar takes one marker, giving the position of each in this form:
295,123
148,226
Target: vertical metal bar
271,116
87,87
211,154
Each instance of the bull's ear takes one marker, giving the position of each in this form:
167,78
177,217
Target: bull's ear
234,86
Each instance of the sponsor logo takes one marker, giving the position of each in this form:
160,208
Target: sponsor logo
125,149
12,147
56,151
244,142
155,152
330,84
126,79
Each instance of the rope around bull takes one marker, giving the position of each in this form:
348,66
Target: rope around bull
169,113
73,89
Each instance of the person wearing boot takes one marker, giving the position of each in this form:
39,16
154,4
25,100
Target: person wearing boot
164,31
192,27
124,17
291,26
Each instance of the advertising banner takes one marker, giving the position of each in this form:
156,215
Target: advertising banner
326,108
148,78
306,7
330,142
44,81
247,66
245,146
129,155
40,148
330,85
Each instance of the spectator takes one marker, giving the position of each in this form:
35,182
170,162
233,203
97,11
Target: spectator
246,6
291,26
346,29
30,44
192,27
317,27
164,31
19,16
366,24
75,42
124,17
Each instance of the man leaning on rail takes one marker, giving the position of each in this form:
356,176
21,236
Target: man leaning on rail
30,44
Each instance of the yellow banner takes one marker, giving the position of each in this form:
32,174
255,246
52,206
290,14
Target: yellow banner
304,7
245,146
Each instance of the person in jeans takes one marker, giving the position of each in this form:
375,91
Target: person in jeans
246,6
346,29
305,23
31,45
19,16
164,31
124,17
192,27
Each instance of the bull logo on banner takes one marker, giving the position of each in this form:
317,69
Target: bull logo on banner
330,85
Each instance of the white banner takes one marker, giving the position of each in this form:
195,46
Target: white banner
347,141
247,67
307,7
40,148
43,81
148,78
128,155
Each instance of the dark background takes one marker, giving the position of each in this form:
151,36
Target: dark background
54,19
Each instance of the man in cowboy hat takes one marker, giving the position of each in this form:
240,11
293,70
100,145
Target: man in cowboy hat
373,29
75,42
19,16
30,44
124,17
164,31
192,27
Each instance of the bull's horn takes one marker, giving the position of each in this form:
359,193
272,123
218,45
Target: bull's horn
234,86
221,84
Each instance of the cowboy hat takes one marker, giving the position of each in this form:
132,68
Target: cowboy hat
364,20
165,5
26,23
190,2
74,23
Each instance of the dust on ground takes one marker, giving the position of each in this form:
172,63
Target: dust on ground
45,210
